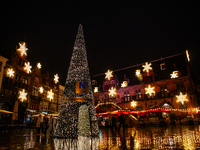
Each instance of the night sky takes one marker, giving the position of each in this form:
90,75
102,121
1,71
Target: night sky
117,34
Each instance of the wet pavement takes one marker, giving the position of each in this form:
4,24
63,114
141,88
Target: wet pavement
162,138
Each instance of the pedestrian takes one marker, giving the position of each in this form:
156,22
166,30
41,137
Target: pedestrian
52,125
121,122
46,124
38,124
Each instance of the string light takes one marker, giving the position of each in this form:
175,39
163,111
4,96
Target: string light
109,74
10,72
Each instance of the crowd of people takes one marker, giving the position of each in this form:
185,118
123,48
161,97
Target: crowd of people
45,125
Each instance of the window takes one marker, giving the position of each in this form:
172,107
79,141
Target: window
35,91
25,80
127,97
148,79
17,77
45,94
44,106
55,98
36,80
180,88
164,91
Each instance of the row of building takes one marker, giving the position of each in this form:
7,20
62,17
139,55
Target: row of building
26,87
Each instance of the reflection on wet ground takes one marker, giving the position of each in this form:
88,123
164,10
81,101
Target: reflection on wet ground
161,138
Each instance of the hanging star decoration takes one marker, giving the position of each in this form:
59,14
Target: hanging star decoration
147,67
181,98
174,74
56,78
95,89
188,56
10,72
137,72
112,91
22,49
27,67
41,90
22,95
50,95
150,90
124,84
133,103
39,65
109,74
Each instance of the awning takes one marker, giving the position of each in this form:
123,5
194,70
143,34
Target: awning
5,112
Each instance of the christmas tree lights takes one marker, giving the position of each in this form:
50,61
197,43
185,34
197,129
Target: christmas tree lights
77,97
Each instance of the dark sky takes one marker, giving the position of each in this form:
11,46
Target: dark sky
117,34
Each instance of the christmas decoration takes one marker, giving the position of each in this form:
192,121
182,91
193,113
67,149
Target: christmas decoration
56,78
27,67
181,98
39,65
112,92
95,89
22,95
137,72
77,97
150,90
41,90
147,67
109,74
188,56
174,74
124,84
133,103
50,95
10,72
22,49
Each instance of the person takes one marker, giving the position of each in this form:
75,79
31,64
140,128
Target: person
52,125
38,124
121,122
46,123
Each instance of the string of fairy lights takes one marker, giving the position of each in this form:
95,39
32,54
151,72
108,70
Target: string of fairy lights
27,68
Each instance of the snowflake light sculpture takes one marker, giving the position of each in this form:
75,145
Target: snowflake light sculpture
41,90
50,95
181,98
112,92
22,49
56,78
188,56
124,84
137,72
10,72
27,67
133,103
22,95
147,67
150,90
95,89
174,74
39,65
109,74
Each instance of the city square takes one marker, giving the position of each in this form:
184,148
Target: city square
57,97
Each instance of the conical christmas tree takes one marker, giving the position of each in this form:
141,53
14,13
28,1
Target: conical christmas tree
77,114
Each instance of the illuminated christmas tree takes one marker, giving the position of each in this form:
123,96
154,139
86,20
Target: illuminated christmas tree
77,114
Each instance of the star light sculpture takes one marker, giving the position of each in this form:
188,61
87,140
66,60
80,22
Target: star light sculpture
50,95
112,92
27,67
188,56
181,98
174,74
41,90
39,65
56,78
124,84
147,67
22,95
109,74
150,90
22,49
133,103
10,72
137,72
